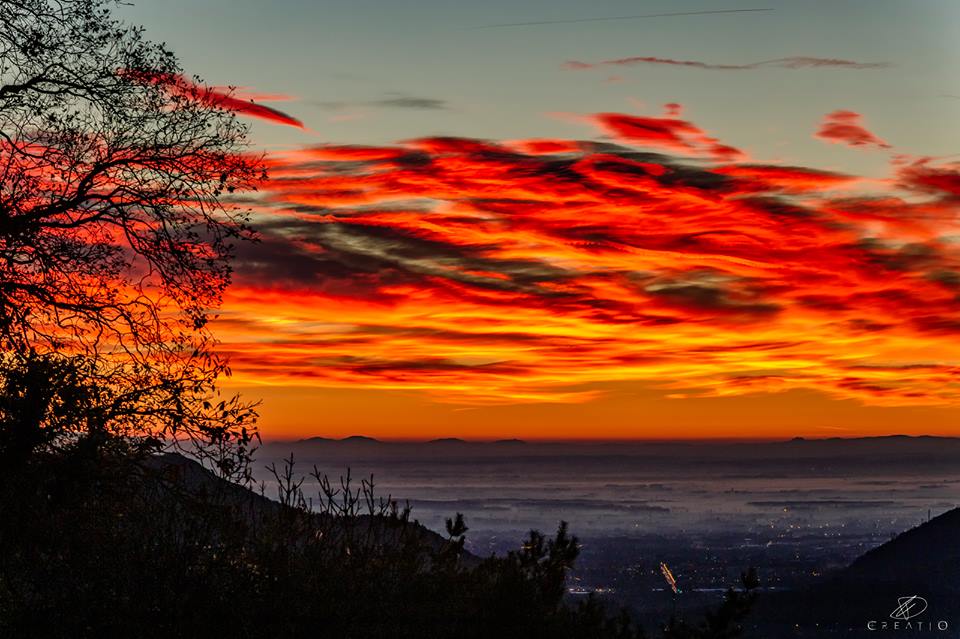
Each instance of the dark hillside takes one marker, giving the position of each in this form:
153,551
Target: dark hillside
923,561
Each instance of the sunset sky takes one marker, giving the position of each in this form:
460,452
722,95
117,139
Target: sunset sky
569,220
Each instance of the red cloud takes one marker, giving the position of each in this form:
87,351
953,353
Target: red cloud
943,180
844,127
217,96
668,133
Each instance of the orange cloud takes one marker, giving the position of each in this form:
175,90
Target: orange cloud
539,270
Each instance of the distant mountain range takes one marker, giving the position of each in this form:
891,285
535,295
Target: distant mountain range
868,450
796,441
352,439
363,439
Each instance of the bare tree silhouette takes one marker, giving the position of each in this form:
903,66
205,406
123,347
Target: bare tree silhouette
116,231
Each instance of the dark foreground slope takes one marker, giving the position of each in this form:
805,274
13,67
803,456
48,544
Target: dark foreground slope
923,562
927,556
374,520
102,544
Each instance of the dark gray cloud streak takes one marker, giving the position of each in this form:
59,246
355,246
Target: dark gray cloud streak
537,23
793,62
391,102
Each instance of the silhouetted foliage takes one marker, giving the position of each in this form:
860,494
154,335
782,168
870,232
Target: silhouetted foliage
725,622
99,541
116,231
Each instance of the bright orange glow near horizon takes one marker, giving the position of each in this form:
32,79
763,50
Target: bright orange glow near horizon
660,285
624,411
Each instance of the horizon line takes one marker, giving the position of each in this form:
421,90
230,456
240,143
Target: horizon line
605,440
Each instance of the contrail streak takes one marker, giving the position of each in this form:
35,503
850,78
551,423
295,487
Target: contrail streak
640,17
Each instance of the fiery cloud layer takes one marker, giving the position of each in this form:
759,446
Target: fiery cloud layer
537,270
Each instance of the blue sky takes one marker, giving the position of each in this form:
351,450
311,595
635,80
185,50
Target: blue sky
340,59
